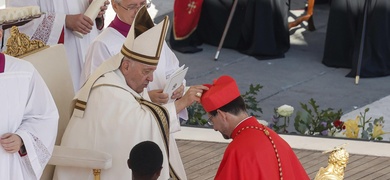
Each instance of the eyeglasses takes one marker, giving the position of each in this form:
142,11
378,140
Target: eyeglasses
133,7
210,121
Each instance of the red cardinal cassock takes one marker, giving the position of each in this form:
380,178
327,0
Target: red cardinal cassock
186,17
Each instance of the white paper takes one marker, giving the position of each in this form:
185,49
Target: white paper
175,81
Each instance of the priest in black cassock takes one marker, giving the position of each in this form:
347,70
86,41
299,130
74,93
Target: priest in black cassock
344,35
259,27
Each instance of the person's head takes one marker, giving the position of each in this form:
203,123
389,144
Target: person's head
137,74
127,9
142,49
145,161
224,105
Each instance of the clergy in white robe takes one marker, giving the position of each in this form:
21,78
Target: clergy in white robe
113,112
110,41
27,110
53,28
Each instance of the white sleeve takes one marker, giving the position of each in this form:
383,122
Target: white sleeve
38,129
97,53
173,117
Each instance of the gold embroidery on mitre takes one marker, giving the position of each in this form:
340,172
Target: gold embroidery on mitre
139,57
20,45
142,30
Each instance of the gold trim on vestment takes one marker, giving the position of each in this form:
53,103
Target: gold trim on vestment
162,118
80,105
184,37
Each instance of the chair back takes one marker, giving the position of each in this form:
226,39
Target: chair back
52,64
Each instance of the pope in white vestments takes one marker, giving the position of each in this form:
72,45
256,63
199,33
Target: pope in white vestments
110,41
52,28
113,111
27,109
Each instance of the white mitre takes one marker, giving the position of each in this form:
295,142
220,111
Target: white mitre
145,40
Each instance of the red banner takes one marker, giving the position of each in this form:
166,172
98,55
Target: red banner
186,17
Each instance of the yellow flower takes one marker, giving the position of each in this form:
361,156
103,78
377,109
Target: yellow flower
378,131
352,128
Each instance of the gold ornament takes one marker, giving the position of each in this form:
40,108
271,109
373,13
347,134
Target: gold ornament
20,45
337,163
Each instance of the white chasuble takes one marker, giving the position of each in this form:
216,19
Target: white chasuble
114,122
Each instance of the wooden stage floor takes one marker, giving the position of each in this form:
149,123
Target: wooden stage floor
201,160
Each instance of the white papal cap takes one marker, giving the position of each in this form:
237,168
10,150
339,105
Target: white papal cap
145,40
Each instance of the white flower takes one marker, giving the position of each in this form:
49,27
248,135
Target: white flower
263,122
285,110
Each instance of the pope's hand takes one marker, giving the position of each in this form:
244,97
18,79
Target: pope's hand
157,96
178,93
79,22
193,94
11,142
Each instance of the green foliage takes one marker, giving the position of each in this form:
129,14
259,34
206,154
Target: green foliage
252,104
313,121
197,115
363,123
378,121
367,126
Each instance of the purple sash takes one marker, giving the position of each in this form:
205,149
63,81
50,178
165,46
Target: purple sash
2,62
